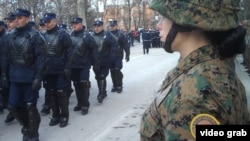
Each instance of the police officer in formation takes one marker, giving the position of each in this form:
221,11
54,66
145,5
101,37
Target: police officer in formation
117,56
24,65
82,58
155,38
3,90
105,42
42,27
11,22
146,41
57,78
46,105
11,25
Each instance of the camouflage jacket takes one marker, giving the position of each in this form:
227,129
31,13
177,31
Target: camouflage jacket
201,83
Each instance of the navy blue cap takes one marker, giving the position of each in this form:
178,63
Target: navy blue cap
64,26
98,23
76,20
22,12
11,16
48,17
2,23
113,23
42,22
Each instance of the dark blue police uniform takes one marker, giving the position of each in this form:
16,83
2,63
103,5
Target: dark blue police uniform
57,79
24,63
3,90
146,41
117,55
83,56
10,18
101,64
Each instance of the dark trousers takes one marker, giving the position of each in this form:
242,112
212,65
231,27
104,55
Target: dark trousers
146,46
21,93
80,78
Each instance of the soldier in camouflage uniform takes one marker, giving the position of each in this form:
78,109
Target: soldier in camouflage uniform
203,88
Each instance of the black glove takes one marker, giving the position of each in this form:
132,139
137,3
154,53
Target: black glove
36,85
127,58
67,73
5,81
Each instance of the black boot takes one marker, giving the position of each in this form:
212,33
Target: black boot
102,89
4,94
21,114
114,81
85,97
78,92
46,106
64,107
34,122
9,118
119,77
54,107
1,101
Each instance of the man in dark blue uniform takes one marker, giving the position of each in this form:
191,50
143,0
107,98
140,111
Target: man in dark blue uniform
42,27
82,58
46,105
3,90
23,53
101,65
57,79
11,26
146,41
117,56
11,22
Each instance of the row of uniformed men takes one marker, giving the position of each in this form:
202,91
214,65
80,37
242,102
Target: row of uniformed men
55,58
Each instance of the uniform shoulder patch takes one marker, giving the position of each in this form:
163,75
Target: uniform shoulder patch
202,119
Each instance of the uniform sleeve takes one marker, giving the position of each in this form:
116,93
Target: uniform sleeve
41,60
184,103
4,59
124,44
67,46
91,45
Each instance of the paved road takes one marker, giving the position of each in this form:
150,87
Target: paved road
118,117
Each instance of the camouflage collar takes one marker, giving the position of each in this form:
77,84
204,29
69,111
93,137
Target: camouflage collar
202,54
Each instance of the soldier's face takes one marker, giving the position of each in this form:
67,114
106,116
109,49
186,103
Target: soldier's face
22,21
77,26
98,28
114,27
50,24
164,25
42,28
11,24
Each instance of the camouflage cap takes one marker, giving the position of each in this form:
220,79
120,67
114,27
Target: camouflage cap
209,15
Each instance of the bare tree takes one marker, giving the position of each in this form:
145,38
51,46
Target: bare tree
129,14
81,8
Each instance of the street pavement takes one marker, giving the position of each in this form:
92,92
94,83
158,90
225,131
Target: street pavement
118,117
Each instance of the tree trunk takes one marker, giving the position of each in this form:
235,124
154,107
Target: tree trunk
81,4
